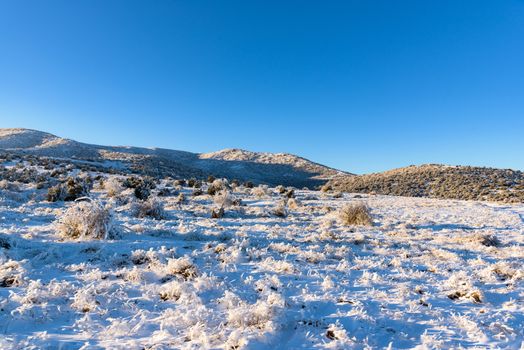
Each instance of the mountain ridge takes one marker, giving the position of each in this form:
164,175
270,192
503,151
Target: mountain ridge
259,167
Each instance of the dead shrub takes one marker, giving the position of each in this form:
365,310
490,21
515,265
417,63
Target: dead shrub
152,208
85,220
356,214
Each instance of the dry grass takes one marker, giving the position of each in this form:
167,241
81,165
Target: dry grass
152,208
356,214
86,219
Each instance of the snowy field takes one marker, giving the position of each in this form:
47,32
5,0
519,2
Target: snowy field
272,273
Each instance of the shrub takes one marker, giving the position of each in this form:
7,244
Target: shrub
292,203
166,191
86,219
217,186
223,199
152,208
113,187
54,193
280,210
197,192
72,189
179,182
260,191
355,214
141,185
280,189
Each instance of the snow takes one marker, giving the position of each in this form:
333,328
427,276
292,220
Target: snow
429,273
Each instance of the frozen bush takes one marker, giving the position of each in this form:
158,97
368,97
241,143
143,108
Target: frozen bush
280,189
86,219
280,210
217,186
179,182
194,183
197,192
292,203
355,214
260,191
223,199
72,189
113,187
142,186
183,267
151,207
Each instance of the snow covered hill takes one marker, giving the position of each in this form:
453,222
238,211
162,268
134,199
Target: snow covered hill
181,265
269,168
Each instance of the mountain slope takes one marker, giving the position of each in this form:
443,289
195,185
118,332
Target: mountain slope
440,181
269,168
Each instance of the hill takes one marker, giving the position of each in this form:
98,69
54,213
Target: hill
440,181
267,168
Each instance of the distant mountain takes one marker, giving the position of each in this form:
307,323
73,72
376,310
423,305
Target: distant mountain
439,181
268,168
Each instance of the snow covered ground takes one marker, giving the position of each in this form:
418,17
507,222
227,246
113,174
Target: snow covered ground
428,274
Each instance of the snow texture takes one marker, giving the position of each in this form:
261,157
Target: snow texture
427,274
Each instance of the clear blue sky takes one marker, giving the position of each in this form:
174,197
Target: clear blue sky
362,85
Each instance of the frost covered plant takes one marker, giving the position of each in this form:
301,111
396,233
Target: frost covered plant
142,186
460,286
172,291
11,274
183,267
152,208
292,203
489,240
224,199
85,220
337,334
72,189
280,210
217,186
355,214
113,187
280,189
261,315
260,191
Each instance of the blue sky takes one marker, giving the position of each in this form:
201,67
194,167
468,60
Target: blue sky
363,86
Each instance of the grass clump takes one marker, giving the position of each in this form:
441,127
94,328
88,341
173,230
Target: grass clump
356,214
150,208
86,220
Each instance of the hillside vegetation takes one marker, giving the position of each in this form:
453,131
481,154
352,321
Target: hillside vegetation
440,181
